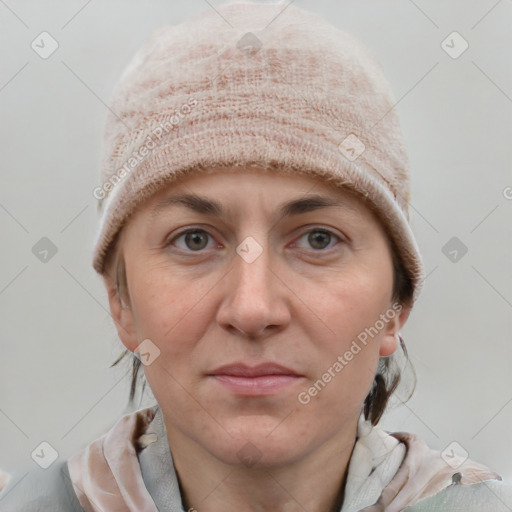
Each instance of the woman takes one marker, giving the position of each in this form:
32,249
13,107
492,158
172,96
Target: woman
259,265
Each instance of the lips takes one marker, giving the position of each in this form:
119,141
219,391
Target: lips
260,370
264,379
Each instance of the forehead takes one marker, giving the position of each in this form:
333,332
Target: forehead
241,184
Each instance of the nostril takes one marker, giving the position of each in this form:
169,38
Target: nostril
239,330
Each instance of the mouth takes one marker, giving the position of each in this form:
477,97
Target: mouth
260,380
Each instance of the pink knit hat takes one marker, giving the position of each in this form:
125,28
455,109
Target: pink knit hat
247,84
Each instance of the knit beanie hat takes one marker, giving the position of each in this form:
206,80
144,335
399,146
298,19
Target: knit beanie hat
248,85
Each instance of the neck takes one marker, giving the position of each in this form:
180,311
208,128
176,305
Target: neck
313,483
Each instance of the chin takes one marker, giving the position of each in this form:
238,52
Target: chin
259,453
261,442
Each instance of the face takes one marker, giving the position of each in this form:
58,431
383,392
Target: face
247,281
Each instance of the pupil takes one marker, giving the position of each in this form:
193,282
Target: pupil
318,235
196,237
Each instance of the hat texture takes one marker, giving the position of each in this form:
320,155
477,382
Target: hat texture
248,85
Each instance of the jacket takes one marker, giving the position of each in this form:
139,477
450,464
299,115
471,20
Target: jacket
130,468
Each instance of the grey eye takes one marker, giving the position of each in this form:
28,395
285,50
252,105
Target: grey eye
319,239
194,240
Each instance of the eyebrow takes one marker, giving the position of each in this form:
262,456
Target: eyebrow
206,206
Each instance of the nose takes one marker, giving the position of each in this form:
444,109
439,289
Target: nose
256,300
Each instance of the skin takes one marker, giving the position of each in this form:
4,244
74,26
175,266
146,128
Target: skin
301,303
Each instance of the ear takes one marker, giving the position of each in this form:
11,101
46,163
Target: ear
121,314
389,342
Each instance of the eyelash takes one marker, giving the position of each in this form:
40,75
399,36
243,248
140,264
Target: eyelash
201,230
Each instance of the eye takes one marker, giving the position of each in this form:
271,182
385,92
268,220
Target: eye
319,238
194,240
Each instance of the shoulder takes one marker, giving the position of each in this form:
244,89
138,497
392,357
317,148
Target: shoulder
485,496
32,489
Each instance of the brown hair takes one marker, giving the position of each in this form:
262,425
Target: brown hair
387,377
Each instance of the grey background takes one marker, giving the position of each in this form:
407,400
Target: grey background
57,337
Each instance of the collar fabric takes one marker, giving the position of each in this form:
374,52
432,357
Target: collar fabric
130,469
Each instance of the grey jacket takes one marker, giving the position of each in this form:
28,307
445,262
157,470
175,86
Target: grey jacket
32,489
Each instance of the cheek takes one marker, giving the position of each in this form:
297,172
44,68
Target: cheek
169,309
172,313
351,303
345,341
342,377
